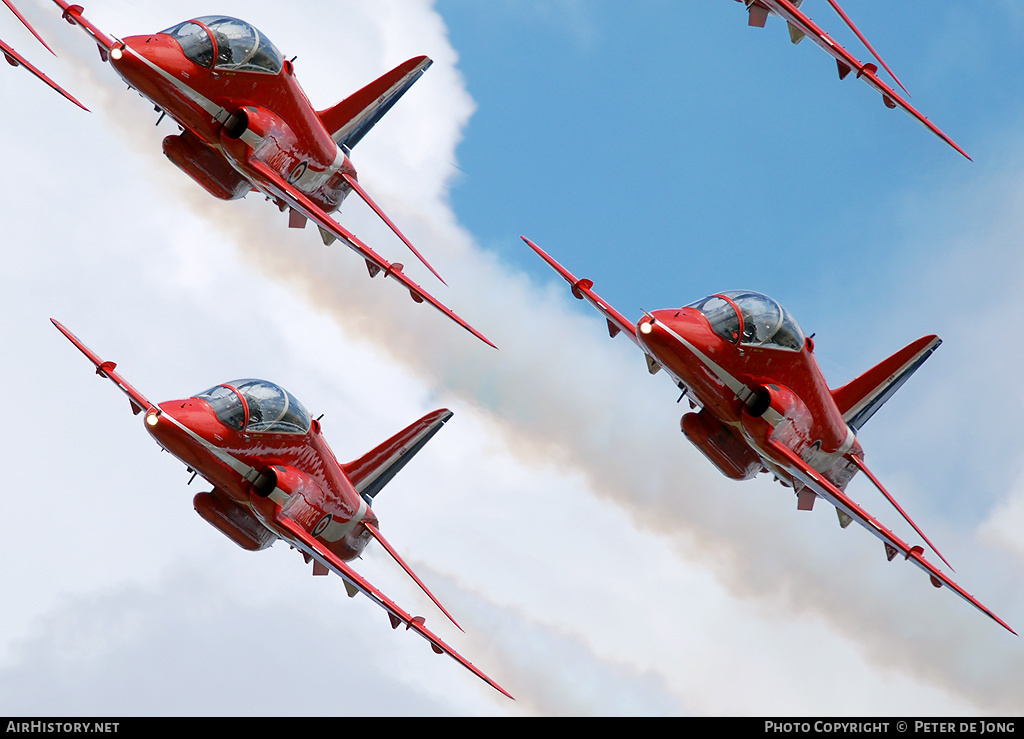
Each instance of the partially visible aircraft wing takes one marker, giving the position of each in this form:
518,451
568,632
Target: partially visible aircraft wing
15,60
296,535
28,25
73,15
271,183
801,25
800,470
106,369
581,290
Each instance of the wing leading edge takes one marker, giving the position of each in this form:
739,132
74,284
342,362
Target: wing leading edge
17,60
581,290
307,543
271,183
800,470
106,369
846,61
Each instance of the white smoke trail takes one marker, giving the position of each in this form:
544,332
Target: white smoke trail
558,391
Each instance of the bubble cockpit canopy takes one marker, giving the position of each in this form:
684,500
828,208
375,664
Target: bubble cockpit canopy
226,43
750,318
257,406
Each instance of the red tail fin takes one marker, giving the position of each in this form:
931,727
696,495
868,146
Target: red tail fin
353,117
860,398
374,470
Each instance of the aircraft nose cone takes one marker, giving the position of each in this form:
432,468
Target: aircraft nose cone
657,324
662,331
171,420
130,55
159,423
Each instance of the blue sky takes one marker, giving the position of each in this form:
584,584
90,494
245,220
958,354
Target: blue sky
676,127
597,562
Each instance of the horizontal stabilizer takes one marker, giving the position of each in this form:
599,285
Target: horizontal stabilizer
871,476
354,184
391,550
864,41
353,117
858,399
376,468
310,545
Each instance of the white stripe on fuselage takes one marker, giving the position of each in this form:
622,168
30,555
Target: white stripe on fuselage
821,461
309,182
335,529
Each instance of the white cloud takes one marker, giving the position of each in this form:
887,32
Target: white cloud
585,547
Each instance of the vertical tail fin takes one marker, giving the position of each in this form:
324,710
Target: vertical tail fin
376,468
860,398
353,117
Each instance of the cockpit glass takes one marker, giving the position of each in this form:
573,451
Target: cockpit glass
258,406
194,41
721,315
765,321
272,409
241,47
227,405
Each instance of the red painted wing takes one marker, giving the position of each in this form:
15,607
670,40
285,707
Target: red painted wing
581,289
306,542
398,558
863,40
848,62
273,184
73,15
817,482
16,59
106,369
28,25
354,184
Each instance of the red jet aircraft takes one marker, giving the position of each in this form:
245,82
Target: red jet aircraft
246,124
762,403
17,60
274,477
801,26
